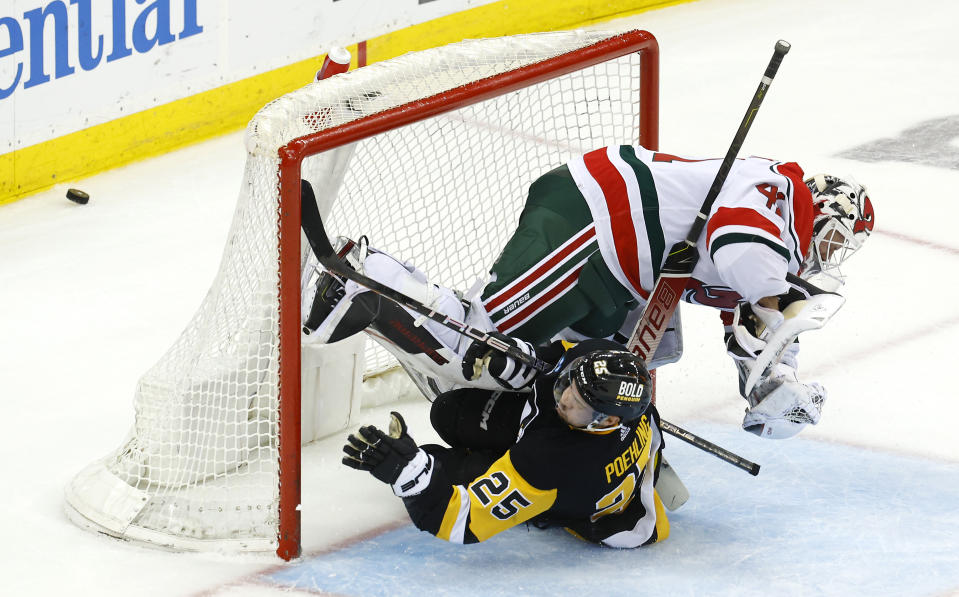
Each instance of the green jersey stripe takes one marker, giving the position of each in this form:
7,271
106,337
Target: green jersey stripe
650,199
525,295
739,237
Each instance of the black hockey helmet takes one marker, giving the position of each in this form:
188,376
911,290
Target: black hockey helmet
613,382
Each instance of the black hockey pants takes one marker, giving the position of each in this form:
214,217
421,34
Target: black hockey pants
479,425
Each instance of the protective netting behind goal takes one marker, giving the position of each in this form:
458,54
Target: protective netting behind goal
199,467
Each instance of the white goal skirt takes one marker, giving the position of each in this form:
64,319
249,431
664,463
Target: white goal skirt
429,155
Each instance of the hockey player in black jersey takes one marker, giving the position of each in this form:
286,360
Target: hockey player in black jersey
582,450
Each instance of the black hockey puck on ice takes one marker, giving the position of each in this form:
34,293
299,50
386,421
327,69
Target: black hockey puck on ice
78,196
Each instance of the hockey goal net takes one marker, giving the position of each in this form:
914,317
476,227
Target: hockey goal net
429,155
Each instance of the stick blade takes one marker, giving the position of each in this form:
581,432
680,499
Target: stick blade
312,224
671,489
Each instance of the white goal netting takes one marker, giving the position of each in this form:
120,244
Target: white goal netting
199,467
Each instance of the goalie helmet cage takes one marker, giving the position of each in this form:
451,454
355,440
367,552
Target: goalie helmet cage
430,155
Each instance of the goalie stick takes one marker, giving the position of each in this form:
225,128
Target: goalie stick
315,233
683,256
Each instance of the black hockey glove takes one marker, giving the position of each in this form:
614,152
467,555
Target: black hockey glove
507,372
393,459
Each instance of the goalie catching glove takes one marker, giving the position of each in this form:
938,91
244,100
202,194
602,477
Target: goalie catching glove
392,458
503,368
780,405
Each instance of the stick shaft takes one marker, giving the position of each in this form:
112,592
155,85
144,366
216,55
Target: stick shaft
782,47
707,446
683,256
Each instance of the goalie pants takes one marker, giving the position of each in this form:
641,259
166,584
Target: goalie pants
550,275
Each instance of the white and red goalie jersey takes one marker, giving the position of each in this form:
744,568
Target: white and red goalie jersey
643,202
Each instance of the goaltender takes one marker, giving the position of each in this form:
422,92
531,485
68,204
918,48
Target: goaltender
582,450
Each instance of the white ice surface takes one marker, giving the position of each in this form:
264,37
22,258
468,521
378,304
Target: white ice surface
865,503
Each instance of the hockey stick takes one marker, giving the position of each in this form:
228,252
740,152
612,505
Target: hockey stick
683,256
316,235
750,467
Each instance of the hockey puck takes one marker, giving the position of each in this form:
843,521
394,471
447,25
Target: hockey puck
78,196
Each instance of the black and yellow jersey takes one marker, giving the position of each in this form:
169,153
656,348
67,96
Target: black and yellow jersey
599,485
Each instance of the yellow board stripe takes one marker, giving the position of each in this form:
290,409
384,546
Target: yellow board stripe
147,133
508,17
228,108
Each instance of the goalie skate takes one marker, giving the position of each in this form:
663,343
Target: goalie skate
338,309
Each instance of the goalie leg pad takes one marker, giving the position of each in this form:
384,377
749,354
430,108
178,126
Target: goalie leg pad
407,279
342,314
429,350
335,308
433,364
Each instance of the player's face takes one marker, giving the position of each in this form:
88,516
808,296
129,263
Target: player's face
830,242
573,409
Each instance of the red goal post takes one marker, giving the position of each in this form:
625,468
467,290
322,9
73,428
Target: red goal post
408,150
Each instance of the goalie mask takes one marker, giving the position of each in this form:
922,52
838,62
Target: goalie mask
610,382
843,220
